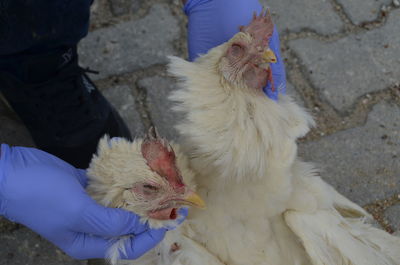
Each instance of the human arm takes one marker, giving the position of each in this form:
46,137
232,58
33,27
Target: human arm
47,195
213,22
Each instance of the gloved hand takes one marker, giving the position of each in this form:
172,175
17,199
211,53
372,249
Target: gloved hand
213,22
48,195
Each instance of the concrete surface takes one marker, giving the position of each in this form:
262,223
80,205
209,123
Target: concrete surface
124,102
355,65
342,61
158,88
131,45
314,15
363,10
24,247
392,215
362,162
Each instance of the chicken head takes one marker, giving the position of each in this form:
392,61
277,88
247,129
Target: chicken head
167,191
248,56
143,176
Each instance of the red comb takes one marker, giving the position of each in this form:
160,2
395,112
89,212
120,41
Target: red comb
260,26
160,157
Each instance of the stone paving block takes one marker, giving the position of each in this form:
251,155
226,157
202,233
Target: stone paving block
6,225
363,163
291,91
393,216
158,88
99,13
122,99
132,45
296,15
355,65
363,10
122,7
22,247
14,133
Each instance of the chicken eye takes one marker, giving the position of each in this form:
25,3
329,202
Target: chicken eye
236,50
150,188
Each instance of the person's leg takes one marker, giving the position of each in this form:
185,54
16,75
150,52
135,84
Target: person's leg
41,25
213,22
40,78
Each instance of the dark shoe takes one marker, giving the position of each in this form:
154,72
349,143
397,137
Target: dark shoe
61,107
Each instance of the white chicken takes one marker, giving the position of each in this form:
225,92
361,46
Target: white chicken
264,205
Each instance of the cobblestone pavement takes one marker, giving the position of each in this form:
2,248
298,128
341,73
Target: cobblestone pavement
343,64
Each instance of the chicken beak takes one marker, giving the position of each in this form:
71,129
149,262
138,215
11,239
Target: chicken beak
191,198
269,56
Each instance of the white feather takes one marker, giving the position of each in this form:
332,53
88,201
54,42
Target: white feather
117,248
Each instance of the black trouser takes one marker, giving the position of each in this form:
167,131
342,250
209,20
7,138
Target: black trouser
40,25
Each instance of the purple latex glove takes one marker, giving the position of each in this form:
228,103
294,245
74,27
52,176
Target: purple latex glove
213,22
48,195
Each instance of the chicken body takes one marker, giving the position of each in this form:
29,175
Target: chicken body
242,146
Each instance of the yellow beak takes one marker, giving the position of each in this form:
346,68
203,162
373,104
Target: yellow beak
269,56
193,199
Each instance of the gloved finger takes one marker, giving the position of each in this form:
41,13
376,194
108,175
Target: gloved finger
140,244
278,68
108,222
272,94
86,246
182,214
82,177
212,23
